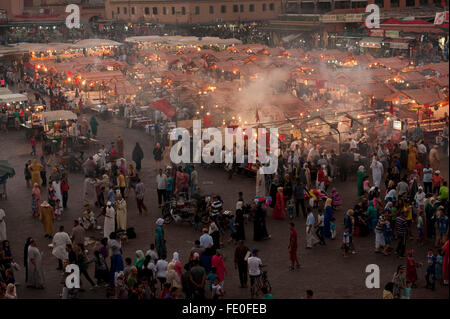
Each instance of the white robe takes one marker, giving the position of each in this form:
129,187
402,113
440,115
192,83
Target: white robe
2,225
109,224
60,241
260,185
377,172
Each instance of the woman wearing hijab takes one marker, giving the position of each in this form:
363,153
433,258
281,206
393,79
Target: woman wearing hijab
399,280
137,156
361,174
239,222
328,214
139,260
273,190
172,276
178,264
259,222
160,242
218,262
279,210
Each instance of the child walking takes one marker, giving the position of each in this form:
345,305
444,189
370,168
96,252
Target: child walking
346,242
58,209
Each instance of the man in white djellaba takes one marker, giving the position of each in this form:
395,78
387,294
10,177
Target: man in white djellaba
60,242
110,220
377,171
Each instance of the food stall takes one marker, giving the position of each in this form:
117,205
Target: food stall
13,103
59,129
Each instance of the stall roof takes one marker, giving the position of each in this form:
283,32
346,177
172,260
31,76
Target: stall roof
441,67
60,115
424,96
92,43
413,77
181,40
13,97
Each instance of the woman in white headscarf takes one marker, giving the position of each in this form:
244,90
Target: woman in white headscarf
178,264
172,276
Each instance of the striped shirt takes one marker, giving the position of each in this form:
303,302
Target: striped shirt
400,225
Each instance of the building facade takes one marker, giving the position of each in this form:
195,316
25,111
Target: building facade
192,12
50,10
321,6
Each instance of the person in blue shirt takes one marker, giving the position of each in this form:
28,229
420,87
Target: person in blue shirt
212,274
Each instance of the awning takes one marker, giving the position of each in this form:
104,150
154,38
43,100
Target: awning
15,97
61,115
164,107
398,43
371,42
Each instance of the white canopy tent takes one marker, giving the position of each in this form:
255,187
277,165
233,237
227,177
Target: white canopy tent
12,98
52,116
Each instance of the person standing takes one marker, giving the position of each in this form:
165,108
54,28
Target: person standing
403,152
292,248
327,215
377,171
65,192
161,183
137,155
47,217
44,171
27,173
260,182
94,125
33,143
197,279
279,211
361,174
60,242
299,197
78,233
140,190
194,180
35,170
157,155
160,242
310,221
35,270
254,267
401,229
240,262
119,143
412,157
217,261
109,225
259,222
116,258
121,213
319,227
434,159
2,225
